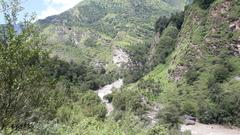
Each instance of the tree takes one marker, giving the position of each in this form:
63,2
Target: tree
177,19
164,48
204,4
161,24
21,73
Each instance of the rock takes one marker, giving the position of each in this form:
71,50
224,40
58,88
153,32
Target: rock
120,57
237,78
235,26
189,122
188,117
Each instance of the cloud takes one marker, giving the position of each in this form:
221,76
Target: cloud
55,7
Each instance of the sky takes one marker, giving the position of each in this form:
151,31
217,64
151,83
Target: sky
45,8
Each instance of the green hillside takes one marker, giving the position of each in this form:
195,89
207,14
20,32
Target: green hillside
166,62
107,24
200,77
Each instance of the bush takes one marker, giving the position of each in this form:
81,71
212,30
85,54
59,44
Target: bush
92,106
170,115
165,46
161,24
191,76
207,112
177,19
90,42
221,73
171,31
158,130
128,101
150,87
23,83
230,108
204,4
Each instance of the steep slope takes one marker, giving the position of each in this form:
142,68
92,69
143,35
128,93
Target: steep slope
201,76
100,31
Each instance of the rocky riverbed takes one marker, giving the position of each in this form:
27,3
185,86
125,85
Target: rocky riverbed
204,129
106,90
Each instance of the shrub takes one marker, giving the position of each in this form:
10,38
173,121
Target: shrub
221,73
22,79
165,46
229,108
171,31
92,106
207,112
90,42
161,24
158,130
129,101
170,115
191,76
177,19
204,4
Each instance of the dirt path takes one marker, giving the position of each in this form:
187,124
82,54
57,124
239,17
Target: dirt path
203,129
108,89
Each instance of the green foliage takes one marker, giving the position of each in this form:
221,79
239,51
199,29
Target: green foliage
204,4
92,106
161,24
200,76
22,81
128,101
170,115
171,31
84,75
91,30
230,108
192,76
164,48
220,73
138,56
158,130
177,19
149,88
90,42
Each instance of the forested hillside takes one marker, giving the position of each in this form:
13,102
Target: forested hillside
198,67
179,60
105,32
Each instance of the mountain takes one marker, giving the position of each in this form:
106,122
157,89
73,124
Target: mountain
102,31
177,67
200,75
191,59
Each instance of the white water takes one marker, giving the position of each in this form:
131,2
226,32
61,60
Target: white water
106,90
204,129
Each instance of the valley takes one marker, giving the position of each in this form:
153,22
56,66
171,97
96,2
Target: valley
122,67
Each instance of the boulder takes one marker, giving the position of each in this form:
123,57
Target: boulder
189,122
188,117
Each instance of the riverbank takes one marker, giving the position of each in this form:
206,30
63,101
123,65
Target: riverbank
204,129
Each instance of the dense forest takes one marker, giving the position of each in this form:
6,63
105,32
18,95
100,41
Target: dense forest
177,60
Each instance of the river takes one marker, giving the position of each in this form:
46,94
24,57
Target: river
106,90
197,129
